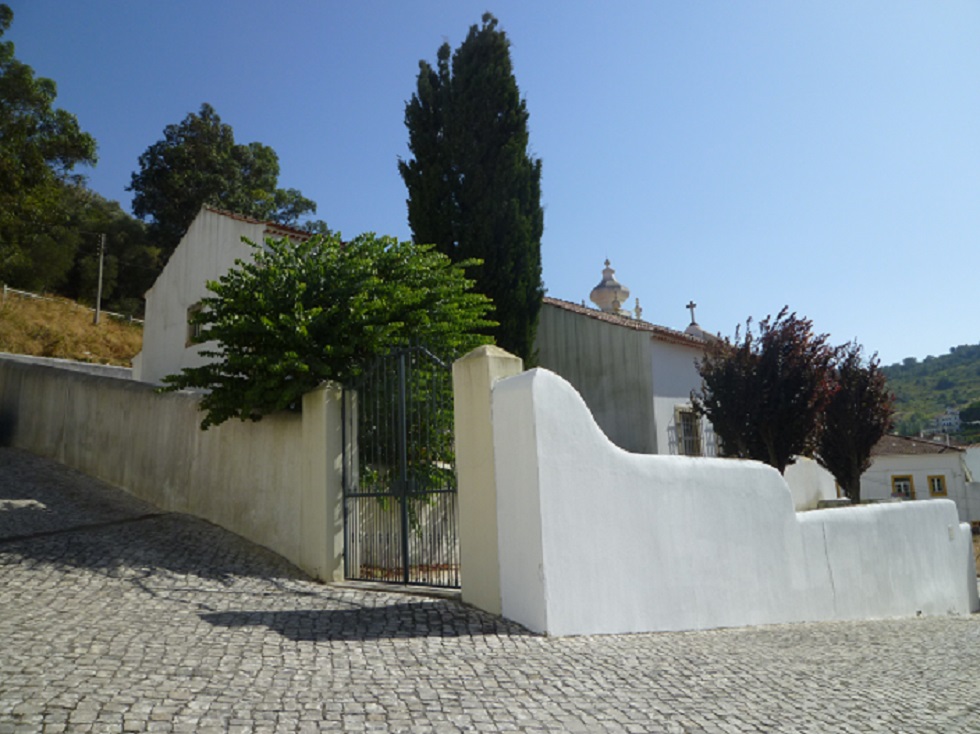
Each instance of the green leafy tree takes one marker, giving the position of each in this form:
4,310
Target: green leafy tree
303,312
925,389
855,418
473,189
971,413
198,162
765,393
40,146
130,263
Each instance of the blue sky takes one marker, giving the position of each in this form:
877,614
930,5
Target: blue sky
821,155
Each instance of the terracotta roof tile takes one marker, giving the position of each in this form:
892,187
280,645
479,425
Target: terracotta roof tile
891,445
657,332
272,227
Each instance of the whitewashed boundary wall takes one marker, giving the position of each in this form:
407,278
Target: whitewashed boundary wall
809,483
593,539
276,482
89,368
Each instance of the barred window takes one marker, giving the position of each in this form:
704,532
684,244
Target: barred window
194,331
688,427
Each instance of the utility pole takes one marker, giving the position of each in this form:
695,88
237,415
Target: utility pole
98,295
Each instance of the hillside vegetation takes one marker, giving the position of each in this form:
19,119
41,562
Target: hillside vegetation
925,389
61,328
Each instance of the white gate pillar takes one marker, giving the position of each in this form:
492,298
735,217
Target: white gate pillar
473,379
321,521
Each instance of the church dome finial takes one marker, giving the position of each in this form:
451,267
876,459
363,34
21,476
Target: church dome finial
610,294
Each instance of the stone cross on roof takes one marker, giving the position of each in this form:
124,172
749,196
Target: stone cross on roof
691,306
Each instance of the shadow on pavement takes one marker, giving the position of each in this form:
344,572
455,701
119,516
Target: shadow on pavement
401,620
53,517
52,514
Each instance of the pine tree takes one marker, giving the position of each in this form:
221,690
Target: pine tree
474,191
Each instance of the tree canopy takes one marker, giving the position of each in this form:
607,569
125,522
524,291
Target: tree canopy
924,389
306,311
473,189
765,393
198,162
782,391
858,413
130,265
40,147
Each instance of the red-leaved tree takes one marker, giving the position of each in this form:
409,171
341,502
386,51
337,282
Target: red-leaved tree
765,394
857,415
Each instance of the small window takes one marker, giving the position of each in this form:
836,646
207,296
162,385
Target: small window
937,486
688,427
194,331
902,486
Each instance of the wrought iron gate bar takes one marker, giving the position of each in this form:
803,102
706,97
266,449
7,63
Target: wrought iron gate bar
400,517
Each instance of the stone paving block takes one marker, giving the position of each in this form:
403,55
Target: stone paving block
116,617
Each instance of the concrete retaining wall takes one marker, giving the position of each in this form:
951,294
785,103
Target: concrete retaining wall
593,539
275,482
106,370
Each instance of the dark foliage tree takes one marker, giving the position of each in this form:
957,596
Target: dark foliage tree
473,189
765,394
305,312
198,162
971,413
130,265
855,418
40,146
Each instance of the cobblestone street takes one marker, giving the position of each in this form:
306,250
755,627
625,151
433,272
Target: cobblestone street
115,617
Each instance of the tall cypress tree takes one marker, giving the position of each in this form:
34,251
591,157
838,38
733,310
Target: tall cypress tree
473,190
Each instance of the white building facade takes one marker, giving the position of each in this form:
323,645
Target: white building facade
917,469
208,250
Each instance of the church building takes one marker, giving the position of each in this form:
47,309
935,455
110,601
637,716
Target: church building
636,377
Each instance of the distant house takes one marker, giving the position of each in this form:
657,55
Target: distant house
948,422
918,469
207,251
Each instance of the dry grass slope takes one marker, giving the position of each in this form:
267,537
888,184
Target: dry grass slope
61,328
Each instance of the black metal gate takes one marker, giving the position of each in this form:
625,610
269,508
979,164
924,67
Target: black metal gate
400,517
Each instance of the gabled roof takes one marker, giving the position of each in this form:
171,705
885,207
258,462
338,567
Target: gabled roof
903,445
661,333
272,228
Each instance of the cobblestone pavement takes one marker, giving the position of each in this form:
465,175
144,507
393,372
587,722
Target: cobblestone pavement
115,617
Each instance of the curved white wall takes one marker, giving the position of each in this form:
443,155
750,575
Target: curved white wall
593,539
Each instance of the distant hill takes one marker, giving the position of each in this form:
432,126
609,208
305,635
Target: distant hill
925,389
57,327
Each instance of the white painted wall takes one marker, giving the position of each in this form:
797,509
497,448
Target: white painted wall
809,483
971,458
593,539
206,252
106,370
673,375
473,377
276,482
